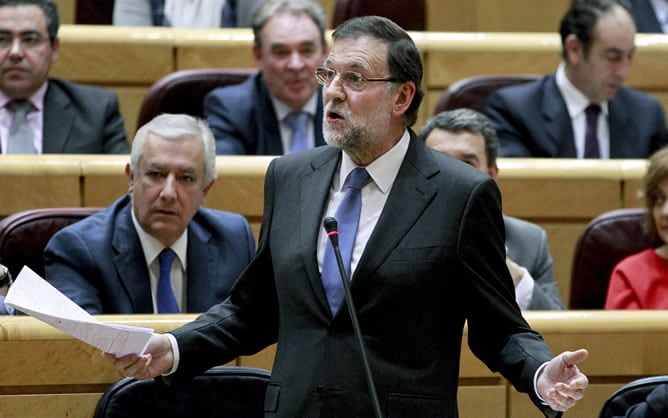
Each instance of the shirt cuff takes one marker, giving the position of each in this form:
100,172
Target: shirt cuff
4,309
535,382
175,353
524,290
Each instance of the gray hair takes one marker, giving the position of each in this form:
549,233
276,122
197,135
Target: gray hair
271,8
174,127
468,120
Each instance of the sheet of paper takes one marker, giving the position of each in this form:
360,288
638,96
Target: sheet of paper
34,296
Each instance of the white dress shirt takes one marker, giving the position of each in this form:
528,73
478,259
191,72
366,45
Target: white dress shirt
576,103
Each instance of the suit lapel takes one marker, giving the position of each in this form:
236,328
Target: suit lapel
201,268
557,121
621,135
313,194
411,193
130,264
58,120
269,137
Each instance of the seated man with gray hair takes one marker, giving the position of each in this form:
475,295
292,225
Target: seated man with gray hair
155,250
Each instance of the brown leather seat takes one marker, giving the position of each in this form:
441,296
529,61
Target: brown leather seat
409,14
183,91
605,241
472,92
24,235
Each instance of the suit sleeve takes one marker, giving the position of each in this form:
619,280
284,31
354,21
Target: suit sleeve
229,138
497,332
545,292
114,136
68,264
244,323
511,140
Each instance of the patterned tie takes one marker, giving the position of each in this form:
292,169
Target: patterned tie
348,217
166,300
297,123
20,139
591,137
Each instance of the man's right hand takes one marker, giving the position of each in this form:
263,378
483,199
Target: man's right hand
156,360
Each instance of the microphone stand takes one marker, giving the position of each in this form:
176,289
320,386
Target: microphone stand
332,232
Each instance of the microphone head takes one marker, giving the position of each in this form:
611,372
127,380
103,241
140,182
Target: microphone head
332,228
330,224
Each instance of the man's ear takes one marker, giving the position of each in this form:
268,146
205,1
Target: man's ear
574,49
404,97
493,171
130,176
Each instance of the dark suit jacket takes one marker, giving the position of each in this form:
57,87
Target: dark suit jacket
81,119
435,259
527,246
243,119
99,262
531,120
645,17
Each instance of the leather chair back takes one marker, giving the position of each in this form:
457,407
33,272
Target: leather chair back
222,391
633,393
409,14
183,91
24,235
472,92
604,242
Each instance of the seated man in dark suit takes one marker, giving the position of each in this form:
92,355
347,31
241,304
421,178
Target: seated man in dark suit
651,16
583,111
38,114
469,136
112,262
256,117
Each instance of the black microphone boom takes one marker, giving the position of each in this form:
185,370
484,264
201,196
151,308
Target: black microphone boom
331,226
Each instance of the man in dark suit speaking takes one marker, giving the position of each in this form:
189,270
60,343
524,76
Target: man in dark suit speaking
422,237
112,261
38,114
583,111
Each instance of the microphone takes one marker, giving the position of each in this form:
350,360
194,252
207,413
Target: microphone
331,226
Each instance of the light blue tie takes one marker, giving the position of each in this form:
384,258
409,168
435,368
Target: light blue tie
297,123
166,300
348,217
20,138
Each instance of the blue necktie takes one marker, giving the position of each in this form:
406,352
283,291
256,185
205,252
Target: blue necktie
348,217
166,300
297,123
20,138
591,136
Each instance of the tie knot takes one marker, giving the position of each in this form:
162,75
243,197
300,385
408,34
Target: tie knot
166,258
296,121
592,110
21,106
358,178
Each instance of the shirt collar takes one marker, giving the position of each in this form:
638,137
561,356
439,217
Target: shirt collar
576,102
283,109
152,247
37,99
383,170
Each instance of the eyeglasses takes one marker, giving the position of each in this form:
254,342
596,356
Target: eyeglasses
350,79
27,40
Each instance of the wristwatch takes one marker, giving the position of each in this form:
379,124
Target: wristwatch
5,276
